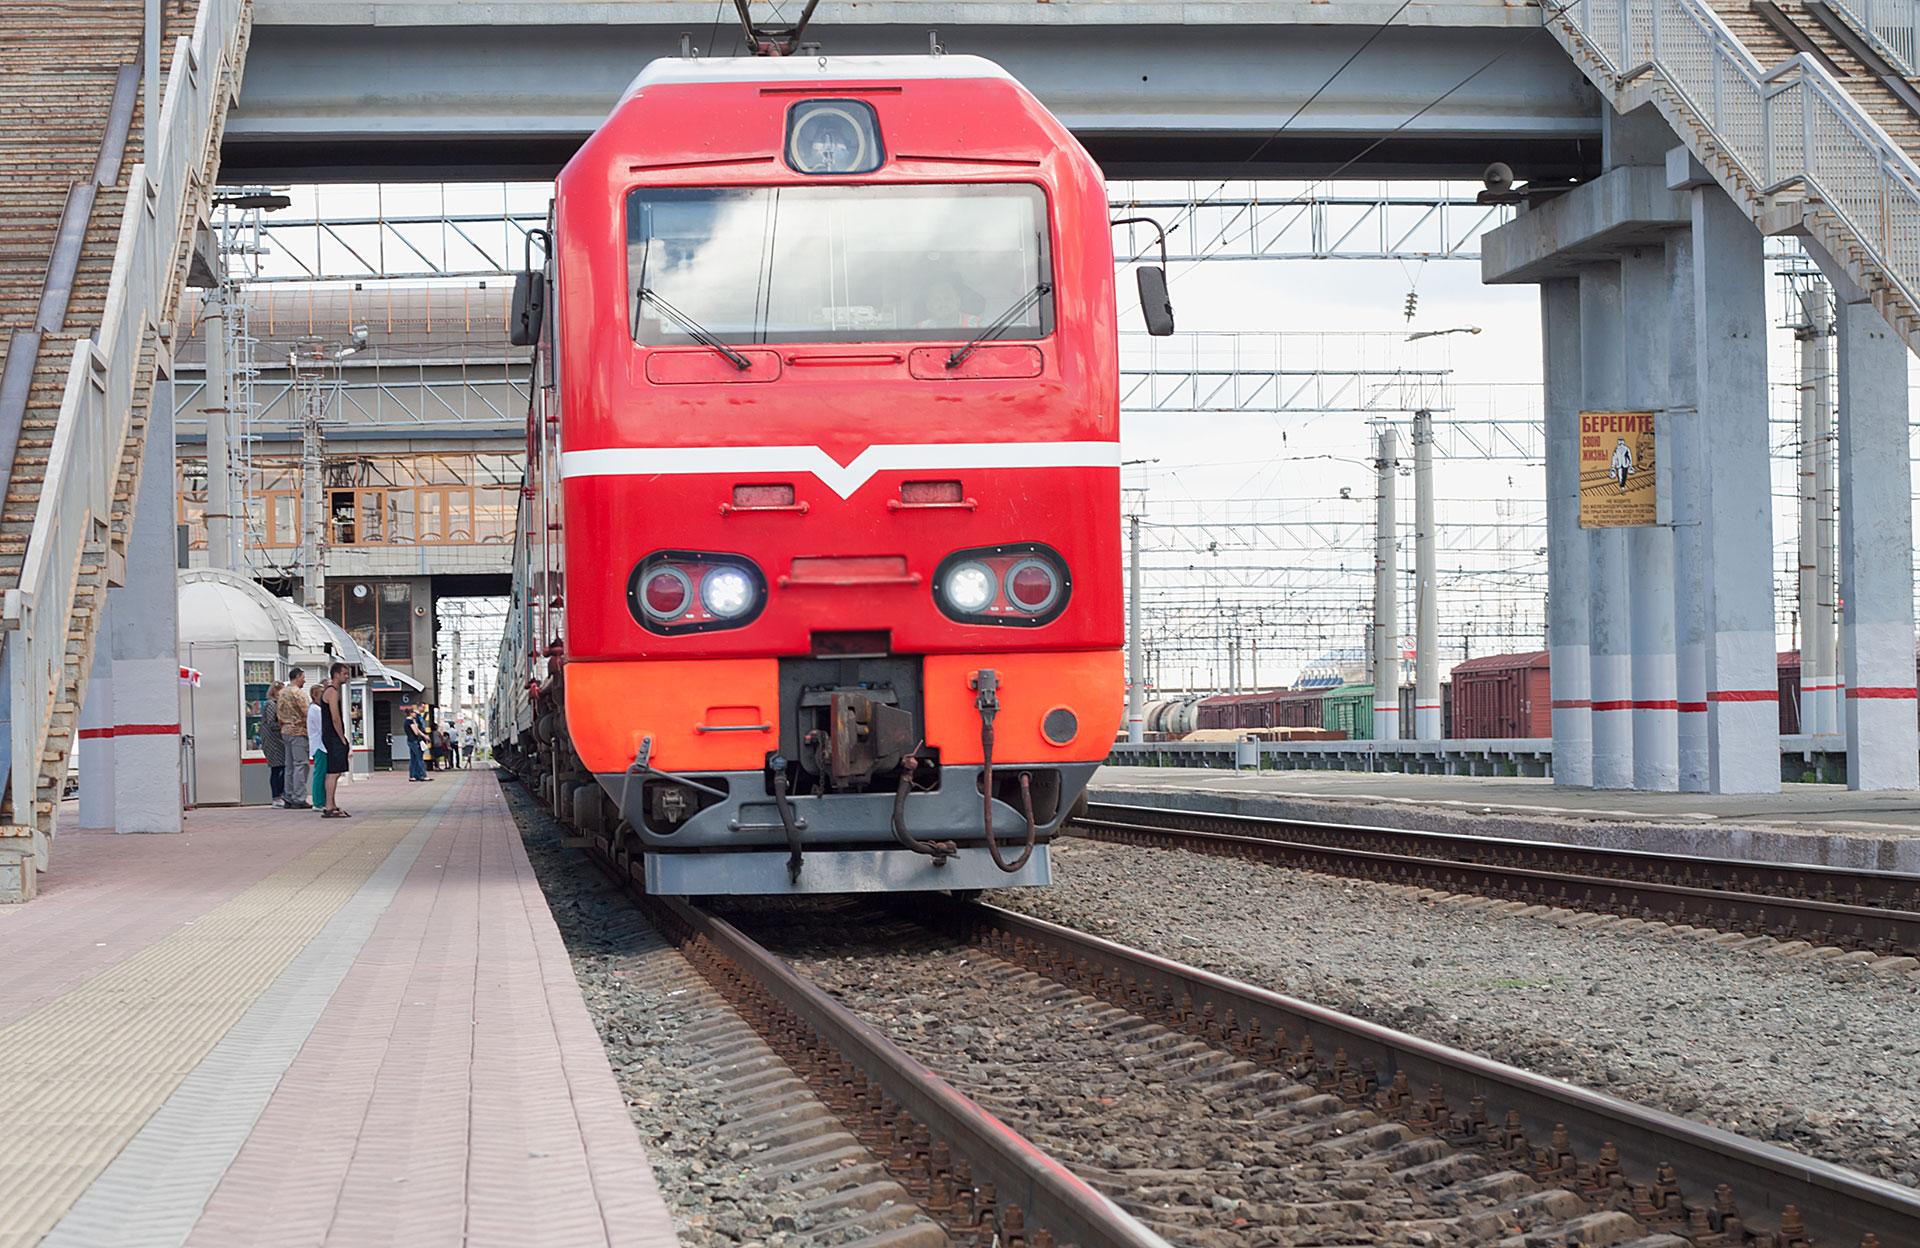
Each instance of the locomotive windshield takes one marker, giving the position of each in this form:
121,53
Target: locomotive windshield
837,263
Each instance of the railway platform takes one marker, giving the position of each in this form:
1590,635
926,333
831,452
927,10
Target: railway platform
275,1028
1822,824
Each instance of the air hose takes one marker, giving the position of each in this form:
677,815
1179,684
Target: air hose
986,684
939,851
787,821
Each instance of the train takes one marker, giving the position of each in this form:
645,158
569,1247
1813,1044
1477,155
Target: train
1495,696
1502,695
817,575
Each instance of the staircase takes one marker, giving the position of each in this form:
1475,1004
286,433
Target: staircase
93,257
1799,148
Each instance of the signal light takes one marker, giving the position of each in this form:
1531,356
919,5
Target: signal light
680,591
1020,584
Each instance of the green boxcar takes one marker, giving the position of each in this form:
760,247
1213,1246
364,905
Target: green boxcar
1349,709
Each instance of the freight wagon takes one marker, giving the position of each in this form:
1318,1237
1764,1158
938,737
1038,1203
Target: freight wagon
1349,709
1268,708
1407,720
1503,695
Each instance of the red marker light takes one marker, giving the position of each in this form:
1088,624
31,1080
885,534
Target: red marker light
667,593
1032,586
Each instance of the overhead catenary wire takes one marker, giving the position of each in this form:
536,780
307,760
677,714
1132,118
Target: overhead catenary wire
1366,151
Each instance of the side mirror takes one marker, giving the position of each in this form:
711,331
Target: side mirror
529,308
1155,306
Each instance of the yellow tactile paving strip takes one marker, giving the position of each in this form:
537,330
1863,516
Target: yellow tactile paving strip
79,1076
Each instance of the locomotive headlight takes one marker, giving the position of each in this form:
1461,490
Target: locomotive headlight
971,586
727,592
833,136
1012,585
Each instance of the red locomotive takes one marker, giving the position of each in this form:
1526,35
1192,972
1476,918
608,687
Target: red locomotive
820,566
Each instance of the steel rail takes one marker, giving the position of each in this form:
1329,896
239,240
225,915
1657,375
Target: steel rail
1838,1206
1782,900
1051,1197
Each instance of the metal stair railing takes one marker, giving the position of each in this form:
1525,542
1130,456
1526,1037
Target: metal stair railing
1791,126
96,410
1891,26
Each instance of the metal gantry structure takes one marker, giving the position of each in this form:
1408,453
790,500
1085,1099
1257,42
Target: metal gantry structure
436,232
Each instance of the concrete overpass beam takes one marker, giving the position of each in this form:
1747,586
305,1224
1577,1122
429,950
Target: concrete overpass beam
1876,553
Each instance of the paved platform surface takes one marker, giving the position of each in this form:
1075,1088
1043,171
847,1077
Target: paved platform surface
277,1029
1815,823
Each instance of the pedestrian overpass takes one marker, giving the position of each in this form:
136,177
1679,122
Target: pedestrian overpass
442,90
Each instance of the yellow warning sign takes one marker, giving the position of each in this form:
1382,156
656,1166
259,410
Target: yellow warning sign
1616,470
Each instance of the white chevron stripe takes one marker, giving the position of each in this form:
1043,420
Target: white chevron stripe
673,461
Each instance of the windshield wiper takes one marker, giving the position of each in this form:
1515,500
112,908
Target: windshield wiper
694,329
1000,324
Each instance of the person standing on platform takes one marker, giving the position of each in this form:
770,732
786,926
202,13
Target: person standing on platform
416,746
272,744
317,743
466,744
333,731
295,744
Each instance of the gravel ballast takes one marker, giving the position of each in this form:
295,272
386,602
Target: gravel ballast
1816,1056
745,1155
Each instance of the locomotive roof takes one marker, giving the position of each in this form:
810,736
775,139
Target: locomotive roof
680,70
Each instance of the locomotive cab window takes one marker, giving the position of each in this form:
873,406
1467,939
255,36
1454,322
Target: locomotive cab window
892,263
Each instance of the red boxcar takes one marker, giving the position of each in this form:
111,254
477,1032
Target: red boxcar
1298,708
1503,695
1267,708
1788,667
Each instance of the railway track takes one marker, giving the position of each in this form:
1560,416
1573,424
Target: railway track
1398,1139
1873,912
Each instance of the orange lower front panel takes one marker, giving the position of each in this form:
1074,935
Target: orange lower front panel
703,714
718,715
1089,683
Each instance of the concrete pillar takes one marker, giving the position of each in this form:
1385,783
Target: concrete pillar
1566,540
1427,724
1730,323
1826,532
1680,449
1876,554
1656,741
95,744
217,392
1806,581
1603,366
1386,602
135,711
